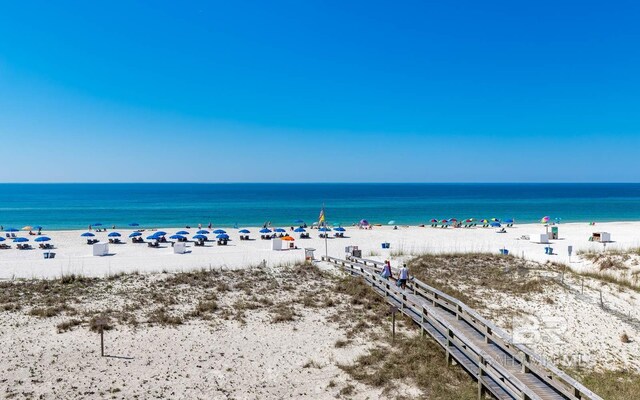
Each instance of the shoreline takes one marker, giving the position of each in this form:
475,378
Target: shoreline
74,256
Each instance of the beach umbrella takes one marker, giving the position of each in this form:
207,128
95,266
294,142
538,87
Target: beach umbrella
222,236
364,222
433,220
200,237
324,229
468,220
27,228
392,222
135,234
299,230
444,221
87,234
453,220
176,237
288,238
42,239
37,227
495,225
339,229
545,220
114,234
134,224
244,231
20,240
509,220
202,232
280,230
160,233
182,233
485,221
153,237
265,230
219,231
495,220
11,230
2,239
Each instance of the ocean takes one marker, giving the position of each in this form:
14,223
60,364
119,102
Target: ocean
75,206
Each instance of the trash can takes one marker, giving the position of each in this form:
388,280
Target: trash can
385,245
548,250
504,252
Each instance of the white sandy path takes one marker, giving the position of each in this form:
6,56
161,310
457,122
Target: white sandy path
73,255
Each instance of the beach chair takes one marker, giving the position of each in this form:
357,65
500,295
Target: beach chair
4,246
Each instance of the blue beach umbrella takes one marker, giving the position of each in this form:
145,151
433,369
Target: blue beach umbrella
42,239
134,224
2,239
509,220
219,231
265,230
339,229
153,237
495,225
200,237
87,234
20,240
177,237
324,229
182,233
114,234
202,232
279,230
135,234
299,230
244,231
222,236
12,230
160,233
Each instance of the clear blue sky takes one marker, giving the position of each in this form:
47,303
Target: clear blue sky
319,91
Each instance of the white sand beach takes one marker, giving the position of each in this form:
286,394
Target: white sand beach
74,256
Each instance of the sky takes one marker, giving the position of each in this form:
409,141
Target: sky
319,91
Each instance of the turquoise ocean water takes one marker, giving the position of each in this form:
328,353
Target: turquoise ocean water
75,206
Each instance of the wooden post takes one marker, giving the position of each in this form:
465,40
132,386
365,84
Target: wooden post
582,289
393,310
101,341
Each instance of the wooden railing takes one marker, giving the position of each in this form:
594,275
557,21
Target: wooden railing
422,302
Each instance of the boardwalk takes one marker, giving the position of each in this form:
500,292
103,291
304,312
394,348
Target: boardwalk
502,368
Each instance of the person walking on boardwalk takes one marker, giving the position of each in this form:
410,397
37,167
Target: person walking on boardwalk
404,276
386,270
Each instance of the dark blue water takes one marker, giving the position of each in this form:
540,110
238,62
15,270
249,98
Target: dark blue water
74,206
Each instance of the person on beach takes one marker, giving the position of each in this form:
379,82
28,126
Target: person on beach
209,225
199,226
89,228
386,270
404,276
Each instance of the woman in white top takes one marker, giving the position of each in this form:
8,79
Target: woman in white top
404,276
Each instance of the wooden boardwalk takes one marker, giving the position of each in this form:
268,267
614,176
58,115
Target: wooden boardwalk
502,368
